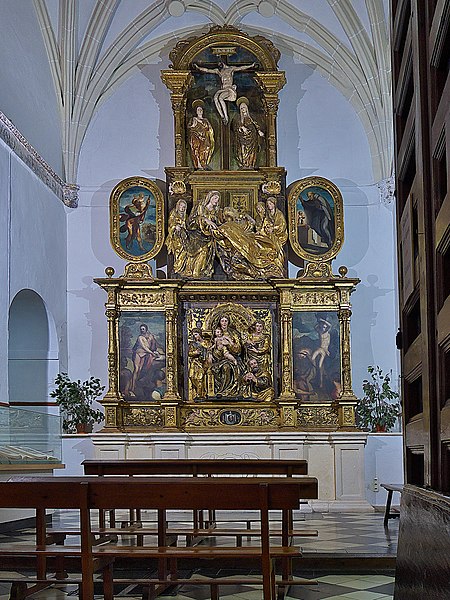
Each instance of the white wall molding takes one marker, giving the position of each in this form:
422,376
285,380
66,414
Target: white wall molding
22,148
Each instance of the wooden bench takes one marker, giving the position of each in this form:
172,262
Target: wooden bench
194,467
162,494
391,513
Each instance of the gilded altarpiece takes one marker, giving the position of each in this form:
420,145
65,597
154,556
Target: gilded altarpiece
225,340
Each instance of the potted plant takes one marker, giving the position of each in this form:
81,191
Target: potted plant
75,398
380,408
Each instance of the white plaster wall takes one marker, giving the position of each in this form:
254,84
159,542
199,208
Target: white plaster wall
383,461
27,93
33,253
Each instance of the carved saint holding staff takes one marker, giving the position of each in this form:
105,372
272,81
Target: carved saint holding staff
201,137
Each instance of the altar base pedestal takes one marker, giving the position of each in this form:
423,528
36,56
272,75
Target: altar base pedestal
335,458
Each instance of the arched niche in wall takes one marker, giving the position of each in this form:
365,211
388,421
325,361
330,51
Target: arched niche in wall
32,351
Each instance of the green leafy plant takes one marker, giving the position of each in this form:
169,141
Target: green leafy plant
75,399
380,408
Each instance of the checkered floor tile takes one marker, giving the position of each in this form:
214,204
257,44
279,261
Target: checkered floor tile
339,535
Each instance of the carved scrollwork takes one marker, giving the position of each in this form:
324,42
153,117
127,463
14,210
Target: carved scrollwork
143,416
317,270
140,270
316,298
141,299
110,416
317,416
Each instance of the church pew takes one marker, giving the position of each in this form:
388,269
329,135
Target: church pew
195,467
161,494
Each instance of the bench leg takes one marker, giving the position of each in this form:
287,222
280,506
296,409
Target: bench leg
388,508
18,591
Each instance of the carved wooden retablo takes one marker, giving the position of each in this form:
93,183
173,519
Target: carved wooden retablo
220,337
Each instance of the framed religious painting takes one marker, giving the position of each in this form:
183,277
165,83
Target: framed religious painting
136,209
316,220
142,355
316,356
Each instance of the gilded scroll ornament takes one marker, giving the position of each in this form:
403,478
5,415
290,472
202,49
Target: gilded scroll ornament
320,416
317,270
140,270
143,417
316,298
141,299
110,416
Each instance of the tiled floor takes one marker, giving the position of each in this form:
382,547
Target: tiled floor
341,536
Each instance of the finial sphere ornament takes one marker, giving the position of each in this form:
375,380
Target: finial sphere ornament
109,271
343,271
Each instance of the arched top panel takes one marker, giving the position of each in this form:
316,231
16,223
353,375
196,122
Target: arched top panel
186,50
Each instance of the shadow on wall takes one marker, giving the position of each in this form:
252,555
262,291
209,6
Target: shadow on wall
95,321
165,143
289,141
356,226
364,318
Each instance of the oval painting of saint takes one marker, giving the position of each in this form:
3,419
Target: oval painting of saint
315,218
137,218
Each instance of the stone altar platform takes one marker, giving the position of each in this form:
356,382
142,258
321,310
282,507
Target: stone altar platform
335,458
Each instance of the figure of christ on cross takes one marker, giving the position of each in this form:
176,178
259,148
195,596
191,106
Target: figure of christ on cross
228,90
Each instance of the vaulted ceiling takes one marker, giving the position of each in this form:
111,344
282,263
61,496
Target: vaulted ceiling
93,46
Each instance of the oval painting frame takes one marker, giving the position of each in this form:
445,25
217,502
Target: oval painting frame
136,213
316,219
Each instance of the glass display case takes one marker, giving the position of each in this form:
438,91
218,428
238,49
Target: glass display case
29,437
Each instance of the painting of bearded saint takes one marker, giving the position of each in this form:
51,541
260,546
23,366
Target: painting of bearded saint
315,220
316,356
142,356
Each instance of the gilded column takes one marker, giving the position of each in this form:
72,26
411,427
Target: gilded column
271,104
171,397
347,400
287,392
178,82
271,83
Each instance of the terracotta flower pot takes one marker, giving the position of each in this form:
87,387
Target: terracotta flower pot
380,428
81,427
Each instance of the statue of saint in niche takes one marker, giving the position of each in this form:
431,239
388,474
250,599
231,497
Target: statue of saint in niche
201,137
176,240
247,134
197,364
258,345
227,93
